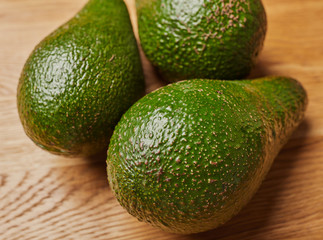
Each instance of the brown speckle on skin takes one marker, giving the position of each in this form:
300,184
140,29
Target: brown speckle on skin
159,173
111,59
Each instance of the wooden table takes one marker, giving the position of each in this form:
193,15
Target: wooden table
43,196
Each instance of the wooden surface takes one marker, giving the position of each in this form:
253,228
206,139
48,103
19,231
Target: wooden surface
43,196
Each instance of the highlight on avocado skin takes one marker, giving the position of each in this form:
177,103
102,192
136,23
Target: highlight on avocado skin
187,157
80,79
214,39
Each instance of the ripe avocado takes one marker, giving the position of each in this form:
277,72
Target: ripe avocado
190,155
80,79
215,39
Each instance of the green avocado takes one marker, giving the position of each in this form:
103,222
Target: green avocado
214,39
187,157
80,79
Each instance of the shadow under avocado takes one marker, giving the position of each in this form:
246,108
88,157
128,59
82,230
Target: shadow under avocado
98,165
255,217
261,69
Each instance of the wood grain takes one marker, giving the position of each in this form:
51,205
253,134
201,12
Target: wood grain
43,196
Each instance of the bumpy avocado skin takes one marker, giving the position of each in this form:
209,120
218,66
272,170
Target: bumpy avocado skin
80,79
189,156
187,39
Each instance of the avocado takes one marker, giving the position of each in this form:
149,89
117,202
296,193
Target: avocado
214,39
187,157
80,79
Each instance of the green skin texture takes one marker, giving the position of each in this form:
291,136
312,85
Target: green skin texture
80,79
187,39
189,156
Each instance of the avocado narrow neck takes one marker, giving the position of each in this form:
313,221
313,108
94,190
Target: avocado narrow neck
284,101
101,7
